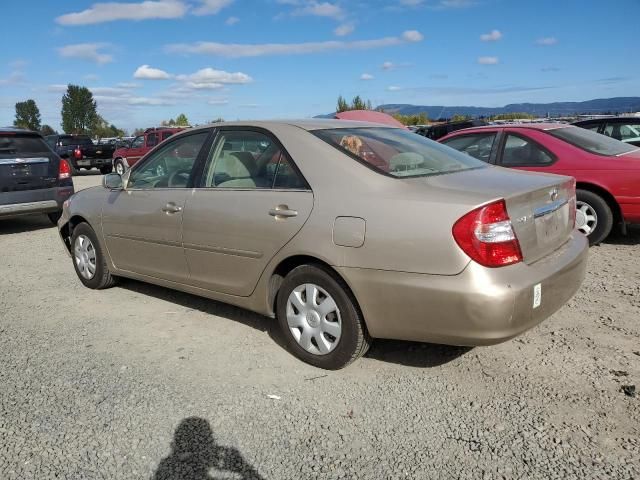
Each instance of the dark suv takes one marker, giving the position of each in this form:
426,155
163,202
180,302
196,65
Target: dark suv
81,152
434,132
33,178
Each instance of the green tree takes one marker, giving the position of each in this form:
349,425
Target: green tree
342,106
103,129
416,119
182,121
512,116
79,110
358,104
460,118
47,130
27,115
138,131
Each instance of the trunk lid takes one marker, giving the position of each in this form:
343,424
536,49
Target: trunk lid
541,206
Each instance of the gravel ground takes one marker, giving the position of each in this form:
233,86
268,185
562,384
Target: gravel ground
143,382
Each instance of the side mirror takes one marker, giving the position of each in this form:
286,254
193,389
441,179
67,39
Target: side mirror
112,181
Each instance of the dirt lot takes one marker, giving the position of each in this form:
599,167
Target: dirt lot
142,382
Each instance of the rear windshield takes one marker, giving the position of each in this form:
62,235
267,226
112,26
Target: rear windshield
22,145
66,141
591,141
398,152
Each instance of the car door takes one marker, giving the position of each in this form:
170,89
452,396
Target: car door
251,200
142,223
519,150
136,150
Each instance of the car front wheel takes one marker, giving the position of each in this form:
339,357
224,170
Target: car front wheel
88,260
319,318
594,217
119,166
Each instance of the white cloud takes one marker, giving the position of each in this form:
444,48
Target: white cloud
149,73
211,79
366,76
344,29
388,66
411,3
86,51
56,88
256,50
112,11
547,41
492,36
14,78
218,101
394,88
211,7
412,36
488,60
320,9
232,21
91,77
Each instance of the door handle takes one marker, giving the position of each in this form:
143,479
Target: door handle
282,211
171,208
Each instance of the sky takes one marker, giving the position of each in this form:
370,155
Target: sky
147,61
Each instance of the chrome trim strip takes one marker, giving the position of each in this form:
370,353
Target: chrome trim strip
166,243
225,251
27,207
23,161
550,208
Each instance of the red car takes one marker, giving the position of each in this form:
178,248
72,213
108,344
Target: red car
126,157
607,171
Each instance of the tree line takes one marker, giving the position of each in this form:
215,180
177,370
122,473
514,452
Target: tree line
79,116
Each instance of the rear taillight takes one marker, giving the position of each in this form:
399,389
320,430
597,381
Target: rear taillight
486,235
64,170
77,153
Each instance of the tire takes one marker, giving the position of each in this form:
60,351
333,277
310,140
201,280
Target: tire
119,166
594,217
54,217
106,169
100,277
352,340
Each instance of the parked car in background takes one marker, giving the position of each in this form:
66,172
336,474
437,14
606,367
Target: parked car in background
33,178
434,132
127,156
625,129
81,152
344,231
607,171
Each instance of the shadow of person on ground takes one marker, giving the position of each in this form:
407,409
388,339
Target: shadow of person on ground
195,455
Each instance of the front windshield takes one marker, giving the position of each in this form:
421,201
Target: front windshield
397,152
591,141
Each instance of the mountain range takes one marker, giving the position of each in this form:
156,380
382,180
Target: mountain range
556,109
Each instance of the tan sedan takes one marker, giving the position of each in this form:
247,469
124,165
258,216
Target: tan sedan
344,231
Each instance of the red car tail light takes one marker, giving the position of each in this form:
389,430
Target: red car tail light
77,153
487,236
64,170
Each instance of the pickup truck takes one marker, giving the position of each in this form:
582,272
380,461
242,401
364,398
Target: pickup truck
127,156
81,152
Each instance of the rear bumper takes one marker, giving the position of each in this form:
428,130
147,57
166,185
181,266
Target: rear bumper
480,306
15,204
88,162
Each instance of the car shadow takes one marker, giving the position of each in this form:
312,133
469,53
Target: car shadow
414,354
631,238
195,455
87,173
28,223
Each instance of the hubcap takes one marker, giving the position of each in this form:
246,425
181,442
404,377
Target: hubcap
314,319
119,168
586,218
85,256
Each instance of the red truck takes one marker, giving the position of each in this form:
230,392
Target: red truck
126,157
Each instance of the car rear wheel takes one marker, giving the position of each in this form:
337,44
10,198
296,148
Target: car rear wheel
88,260
319,318
119,166
594,217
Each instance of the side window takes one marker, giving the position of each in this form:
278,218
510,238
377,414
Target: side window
623,132
248,159
171,166
594,128
520,152
51,141
477,145
138,142
152,139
